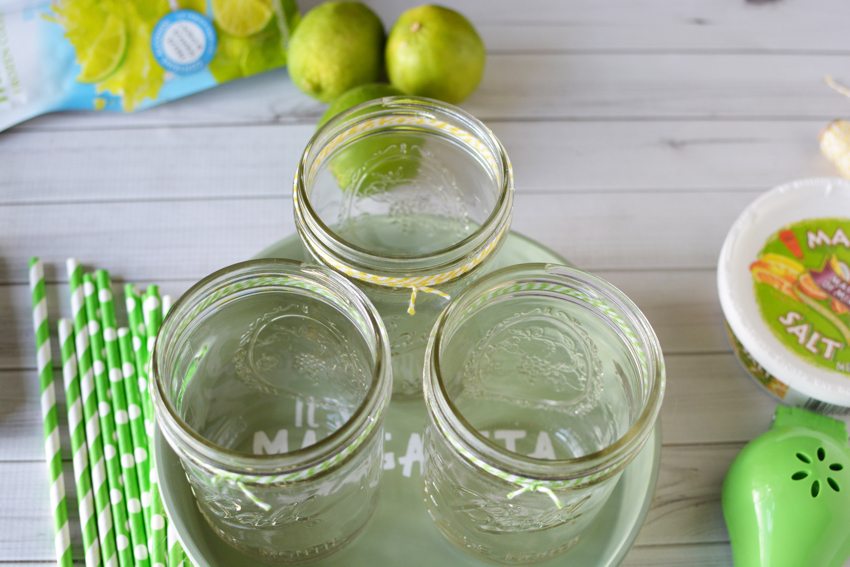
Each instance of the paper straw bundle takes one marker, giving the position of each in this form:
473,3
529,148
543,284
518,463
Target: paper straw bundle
110,420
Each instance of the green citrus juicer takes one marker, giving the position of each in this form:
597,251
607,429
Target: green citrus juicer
786,497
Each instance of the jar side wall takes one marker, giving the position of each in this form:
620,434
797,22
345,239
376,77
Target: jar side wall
321,237
472,509
542,278
396,280
185,441
308,519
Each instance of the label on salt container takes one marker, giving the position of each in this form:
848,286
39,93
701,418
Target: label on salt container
802,288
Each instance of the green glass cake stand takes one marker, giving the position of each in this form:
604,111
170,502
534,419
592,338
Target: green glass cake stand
400,532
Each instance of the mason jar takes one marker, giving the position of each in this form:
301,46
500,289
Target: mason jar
409,198
541,383
271,383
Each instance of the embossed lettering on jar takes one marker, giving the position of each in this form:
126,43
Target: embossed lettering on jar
409,198
271,381
542,383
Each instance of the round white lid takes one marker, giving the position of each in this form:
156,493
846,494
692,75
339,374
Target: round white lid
822,198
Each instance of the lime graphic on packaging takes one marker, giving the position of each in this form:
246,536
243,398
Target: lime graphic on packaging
802,287
126,55
106,52
242,18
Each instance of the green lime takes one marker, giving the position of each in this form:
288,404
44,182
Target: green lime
357,95
242,18
337,46
106,52
435,52
376,163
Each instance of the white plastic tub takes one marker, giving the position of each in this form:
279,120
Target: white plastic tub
784,286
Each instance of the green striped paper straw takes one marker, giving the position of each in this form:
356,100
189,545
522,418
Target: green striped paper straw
49,414
107,426
134,412
74,406
152,313
100,486
120,410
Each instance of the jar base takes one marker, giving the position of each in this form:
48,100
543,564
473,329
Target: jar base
298,557
505,559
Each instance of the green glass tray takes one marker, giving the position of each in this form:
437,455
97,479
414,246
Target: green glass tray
400,532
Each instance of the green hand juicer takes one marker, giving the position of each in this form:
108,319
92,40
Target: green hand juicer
786,497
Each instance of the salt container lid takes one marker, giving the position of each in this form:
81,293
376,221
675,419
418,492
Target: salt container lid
784,283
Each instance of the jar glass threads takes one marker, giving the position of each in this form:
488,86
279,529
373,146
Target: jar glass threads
409,198
541,384
270,383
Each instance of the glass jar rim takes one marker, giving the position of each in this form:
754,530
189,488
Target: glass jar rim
308,219
598,464
209,454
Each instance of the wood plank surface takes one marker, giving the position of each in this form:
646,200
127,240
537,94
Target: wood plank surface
548,157
185,239
692,555
638,131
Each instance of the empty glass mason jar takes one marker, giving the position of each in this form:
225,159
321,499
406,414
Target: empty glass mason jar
271,381
541,383
409,198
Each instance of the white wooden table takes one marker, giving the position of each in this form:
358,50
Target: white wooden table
638,131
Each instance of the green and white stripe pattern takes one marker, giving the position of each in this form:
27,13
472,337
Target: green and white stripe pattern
79,450
49,414
100,486
120,411
107,426
103,381
152,313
